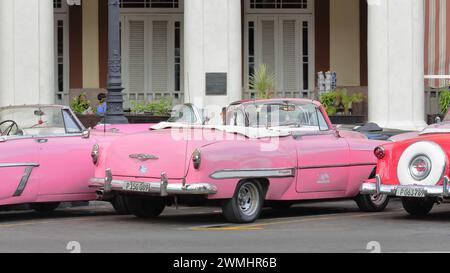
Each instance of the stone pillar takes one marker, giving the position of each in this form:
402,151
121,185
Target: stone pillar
396,63
212,45
26,52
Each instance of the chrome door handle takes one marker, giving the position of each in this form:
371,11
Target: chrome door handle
41,140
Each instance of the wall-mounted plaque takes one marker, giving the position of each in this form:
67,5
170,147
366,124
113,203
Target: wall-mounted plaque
216,84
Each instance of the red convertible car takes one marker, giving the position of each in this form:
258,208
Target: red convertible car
415,169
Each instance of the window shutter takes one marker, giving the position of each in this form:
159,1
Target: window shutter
290,74
268,44
160,57
136,59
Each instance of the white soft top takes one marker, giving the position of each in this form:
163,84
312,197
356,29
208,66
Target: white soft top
434,130
248,132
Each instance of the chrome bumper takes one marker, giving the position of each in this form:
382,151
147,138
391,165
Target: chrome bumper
391,190
162,187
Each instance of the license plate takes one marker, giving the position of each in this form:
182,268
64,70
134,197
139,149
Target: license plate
410,192
137,187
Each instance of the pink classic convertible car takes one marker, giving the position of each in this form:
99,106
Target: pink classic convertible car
277,152
45,156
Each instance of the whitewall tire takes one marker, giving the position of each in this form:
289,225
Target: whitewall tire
431,159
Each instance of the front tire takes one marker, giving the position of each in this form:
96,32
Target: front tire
372,202
418,207
246,204
145,207
45,207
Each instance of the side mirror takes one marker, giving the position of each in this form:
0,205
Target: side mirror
3,139
86,133
437,119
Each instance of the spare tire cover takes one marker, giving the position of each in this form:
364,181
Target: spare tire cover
433,152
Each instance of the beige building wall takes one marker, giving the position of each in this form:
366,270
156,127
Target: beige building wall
345,41
90,45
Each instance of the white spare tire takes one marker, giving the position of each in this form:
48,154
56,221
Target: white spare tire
422,163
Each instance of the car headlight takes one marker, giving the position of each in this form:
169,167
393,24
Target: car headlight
95,153
420,167
197,159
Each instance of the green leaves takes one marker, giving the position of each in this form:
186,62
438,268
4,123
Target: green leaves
157,108
332,100
444,100
80,104
263,81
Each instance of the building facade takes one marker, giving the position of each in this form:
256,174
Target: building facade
204,51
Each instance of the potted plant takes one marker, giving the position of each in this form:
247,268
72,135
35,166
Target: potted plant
81,106
263,82
339,106
444,105
150,112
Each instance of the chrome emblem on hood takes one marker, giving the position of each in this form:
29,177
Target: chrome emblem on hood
143,157
143,169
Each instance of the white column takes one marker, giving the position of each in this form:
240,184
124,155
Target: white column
212,45
26,52
396,63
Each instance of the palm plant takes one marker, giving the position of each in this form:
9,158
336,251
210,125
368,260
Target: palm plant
263,82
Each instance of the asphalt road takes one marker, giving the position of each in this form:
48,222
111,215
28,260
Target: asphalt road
309,227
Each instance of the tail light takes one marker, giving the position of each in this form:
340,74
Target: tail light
379,152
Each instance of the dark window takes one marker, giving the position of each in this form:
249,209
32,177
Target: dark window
177,56
251,49
57,4
305,56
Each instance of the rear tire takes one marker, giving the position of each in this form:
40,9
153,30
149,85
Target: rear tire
45,207
145,207
120,206
246,204
418,207
372,202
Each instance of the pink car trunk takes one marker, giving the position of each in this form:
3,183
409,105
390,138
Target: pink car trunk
140,157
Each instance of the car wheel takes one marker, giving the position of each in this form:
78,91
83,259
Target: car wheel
145,207
246,204
120,205
372,202
418,207
282,205
44,207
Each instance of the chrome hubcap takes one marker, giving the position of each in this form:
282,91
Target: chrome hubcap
378,199
248,199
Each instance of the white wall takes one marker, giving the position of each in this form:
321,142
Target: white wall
212,44
26,52
396,63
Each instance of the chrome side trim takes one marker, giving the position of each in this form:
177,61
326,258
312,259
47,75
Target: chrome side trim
253,173
13,165
23,181
337,166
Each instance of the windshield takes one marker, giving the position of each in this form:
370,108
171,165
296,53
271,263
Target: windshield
183,114
277,114
24,121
